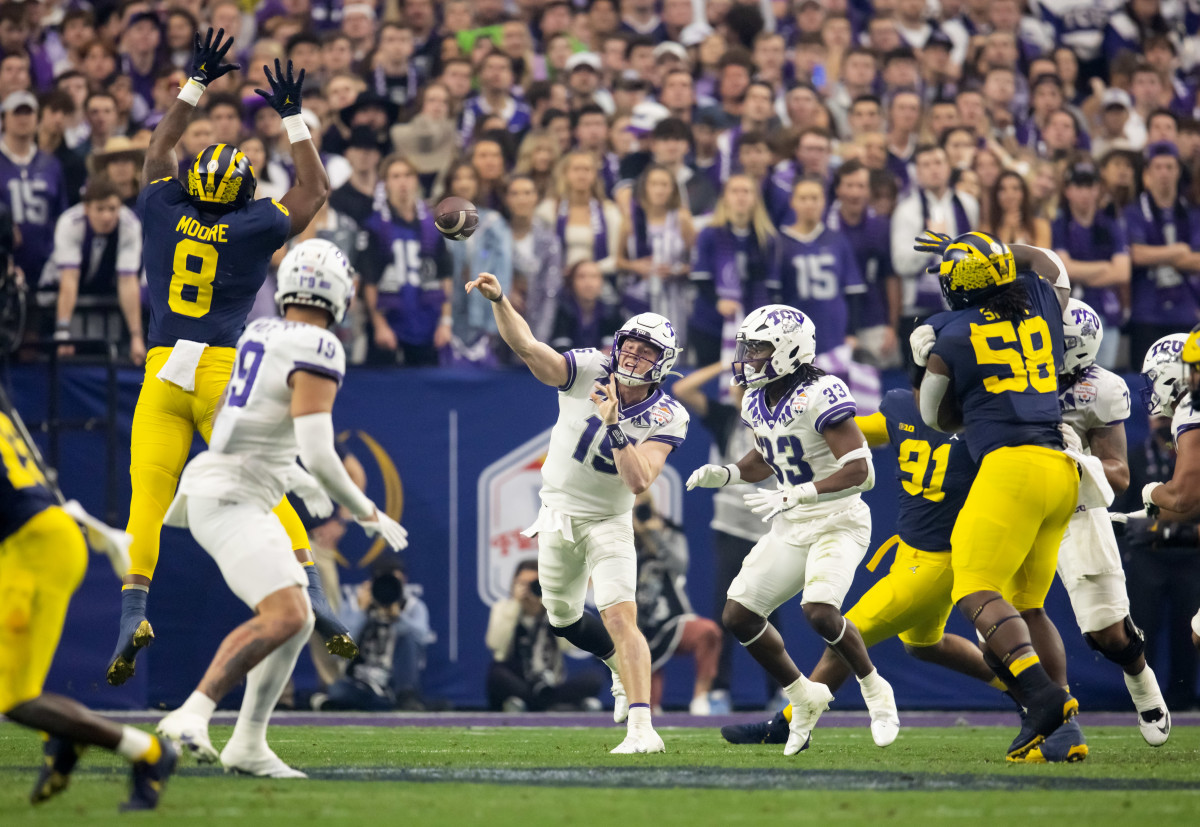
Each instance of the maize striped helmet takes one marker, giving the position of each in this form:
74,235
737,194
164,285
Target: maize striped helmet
974,266
221,179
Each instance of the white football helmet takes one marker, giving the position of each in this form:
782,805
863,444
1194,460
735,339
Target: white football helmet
1166,379
1082,332
793,335
315,272
652,329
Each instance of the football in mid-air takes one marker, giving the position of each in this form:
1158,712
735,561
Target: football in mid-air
456,218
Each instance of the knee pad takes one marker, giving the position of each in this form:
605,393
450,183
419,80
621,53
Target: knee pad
1129,653
587,633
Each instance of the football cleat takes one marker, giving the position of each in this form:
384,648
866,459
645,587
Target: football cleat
1066,745
885,718
190,733
59,758
805,716
620,700
338,640
259,761
1047,712
150,777
1155,725
136,634
774,731
342,645
639,741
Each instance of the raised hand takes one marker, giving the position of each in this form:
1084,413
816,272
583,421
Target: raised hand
207,55
487,285
284,96
931,242
606,400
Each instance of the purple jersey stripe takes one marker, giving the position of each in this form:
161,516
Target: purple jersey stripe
571,372
673,441
321,370
834,415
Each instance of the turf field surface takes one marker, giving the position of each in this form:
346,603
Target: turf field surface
502,776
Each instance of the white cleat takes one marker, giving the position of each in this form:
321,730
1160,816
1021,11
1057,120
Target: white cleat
805,716
1155,725
639,742
700,706
189,732
258,761
620,700
885,718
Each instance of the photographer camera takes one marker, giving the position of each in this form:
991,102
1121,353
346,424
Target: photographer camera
528,671
391,625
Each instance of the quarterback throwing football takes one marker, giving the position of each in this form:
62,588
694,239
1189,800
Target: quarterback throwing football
614,432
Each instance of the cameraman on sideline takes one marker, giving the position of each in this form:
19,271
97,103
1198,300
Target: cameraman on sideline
528,672
391,626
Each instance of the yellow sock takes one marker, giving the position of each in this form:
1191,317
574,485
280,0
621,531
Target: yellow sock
996,683
153,754
1022,663
787,713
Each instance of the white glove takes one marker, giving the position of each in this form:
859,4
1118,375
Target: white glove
316,500
391,531
1071,439
103,538
1148,500
1119,517
778,500
714,476
922,341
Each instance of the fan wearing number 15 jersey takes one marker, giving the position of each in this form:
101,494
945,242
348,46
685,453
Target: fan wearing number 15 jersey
206,245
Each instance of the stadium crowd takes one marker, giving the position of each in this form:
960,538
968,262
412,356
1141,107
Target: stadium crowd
695,158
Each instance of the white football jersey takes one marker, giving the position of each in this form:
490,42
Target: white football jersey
1185,418
579,477
1097,399
252,454
790,437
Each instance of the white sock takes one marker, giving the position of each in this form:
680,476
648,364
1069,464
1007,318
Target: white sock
264,685
612,664
639,716
134,743
797,691
199,704
1143,688
871,683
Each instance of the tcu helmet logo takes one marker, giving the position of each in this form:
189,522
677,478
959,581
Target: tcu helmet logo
1087,321
788,319
1167,349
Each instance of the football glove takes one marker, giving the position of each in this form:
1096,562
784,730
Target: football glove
284,96
1071,439
773,502
391,531
922,341
711,476
316,500
932,243
207,56
1148,500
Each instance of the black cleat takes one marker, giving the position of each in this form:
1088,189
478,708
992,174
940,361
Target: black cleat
149,778
59,758
774,731
1047,712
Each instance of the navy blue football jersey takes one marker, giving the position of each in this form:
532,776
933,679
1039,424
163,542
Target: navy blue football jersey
935,473
23,491
1005,373
203,274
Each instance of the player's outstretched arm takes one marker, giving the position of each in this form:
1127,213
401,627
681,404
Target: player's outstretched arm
306,196
547,364
207,56
1179,498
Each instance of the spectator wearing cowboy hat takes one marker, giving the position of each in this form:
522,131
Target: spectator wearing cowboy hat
121,163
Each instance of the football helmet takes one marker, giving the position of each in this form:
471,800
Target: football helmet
655,330
975,266
1082,332
315,272
221,180
790,332
1163,370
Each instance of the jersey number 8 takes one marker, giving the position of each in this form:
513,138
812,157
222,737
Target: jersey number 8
1025,351
186,275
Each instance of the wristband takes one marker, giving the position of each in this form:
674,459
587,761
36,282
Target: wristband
617,438
297,129
191,91
735,474
498,298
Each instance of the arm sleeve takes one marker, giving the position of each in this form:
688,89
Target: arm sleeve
314,436
874,428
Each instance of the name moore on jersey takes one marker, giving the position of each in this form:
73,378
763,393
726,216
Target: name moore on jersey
252,454
791,438
579,477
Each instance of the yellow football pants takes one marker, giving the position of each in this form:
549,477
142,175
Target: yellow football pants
911,601
41,565
1007,535
164,421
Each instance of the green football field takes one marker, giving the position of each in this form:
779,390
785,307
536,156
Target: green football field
500,776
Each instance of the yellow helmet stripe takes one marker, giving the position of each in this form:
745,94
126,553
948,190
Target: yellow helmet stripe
1191,348
212,176
233,162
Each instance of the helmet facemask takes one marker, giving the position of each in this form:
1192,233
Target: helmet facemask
752,362
643,370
